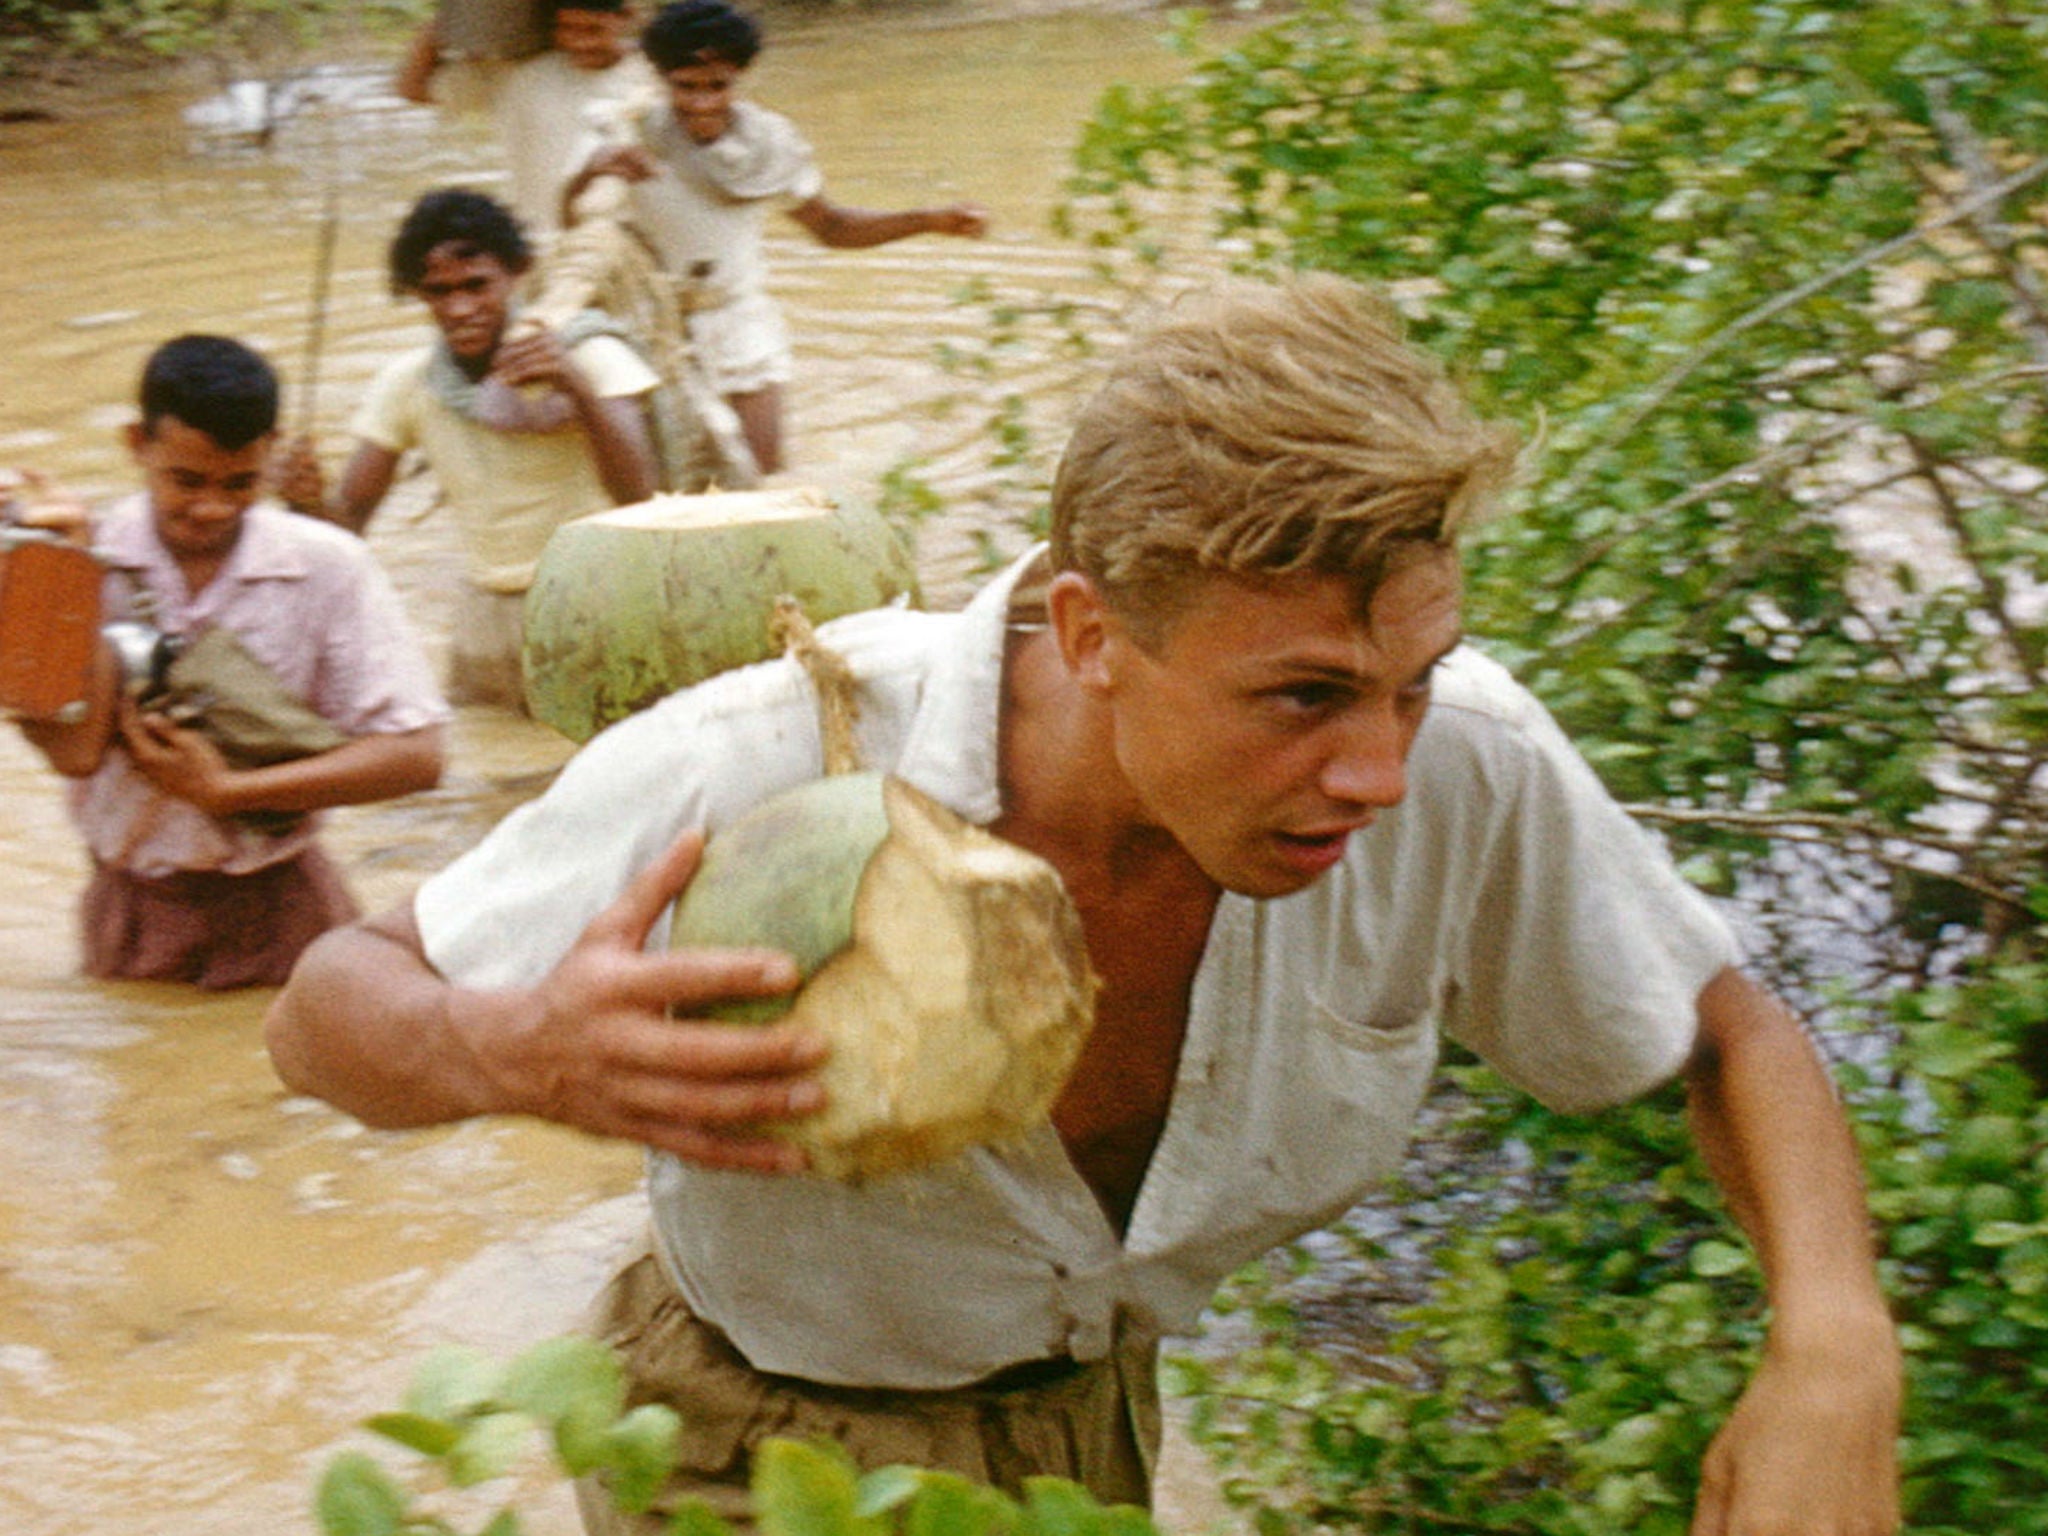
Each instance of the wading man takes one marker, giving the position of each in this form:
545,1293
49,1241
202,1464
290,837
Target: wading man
1307,830
205,867
707,169
522,431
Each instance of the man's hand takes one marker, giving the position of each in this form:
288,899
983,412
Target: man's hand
600,1051
628,162
967,220
178,760
1810,1448
297,479
535,357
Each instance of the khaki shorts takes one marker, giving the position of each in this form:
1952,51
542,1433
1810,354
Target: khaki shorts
1097,1424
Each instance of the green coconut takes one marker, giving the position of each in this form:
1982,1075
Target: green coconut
945,966
631,604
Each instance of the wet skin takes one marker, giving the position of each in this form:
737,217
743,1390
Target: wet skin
198,491
1271,721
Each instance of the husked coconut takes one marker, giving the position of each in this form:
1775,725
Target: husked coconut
945,966
630,604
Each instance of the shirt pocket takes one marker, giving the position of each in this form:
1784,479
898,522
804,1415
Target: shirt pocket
1381,1030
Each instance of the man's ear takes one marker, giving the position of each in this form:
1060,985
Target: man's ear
136,435
1083,627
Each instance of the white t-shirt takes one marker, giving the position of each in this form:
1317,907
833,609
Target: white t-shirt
544,111
1507,901
507,490
706,208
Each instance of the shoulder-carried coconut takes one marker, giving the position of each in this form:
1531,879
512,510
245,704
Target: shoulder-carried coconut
945,966
631,604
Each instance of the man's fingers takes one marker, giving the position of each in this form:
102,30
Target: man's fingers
709,1149
687,1050
629,919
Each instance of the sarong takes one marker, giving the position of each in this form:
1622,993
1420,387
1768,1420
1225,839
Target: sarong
216,931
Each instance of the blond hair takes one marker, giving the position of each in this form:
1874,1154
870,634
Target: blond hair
1263,430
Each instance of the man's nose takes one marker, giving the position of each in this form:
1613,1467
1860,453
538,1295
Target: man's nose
215,502
1368,764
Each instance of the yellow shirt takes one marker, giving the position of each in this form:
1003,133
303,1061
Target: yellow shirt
508,490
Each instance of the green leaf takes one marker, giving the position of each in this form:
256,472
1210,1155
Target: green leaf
1711,1259
805,1489
888,1488
639,1453
430,1437
577,1388
693,1517
451,1382
489,1447
357,1498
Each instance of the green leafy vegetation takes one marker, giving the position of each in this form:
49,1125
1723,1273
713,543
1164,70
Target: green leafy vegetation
1765,282
255,36
470,1420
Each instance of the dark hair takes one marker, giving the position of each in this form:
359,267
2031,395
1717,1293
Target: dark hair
687,31
213,384
455,216
612,7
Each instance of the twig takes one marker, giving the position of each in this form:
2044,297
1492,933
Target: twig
1791,298
1831,831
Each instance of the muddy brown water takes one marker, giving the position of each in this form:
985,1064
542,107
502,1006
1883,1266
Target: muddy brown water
205,1282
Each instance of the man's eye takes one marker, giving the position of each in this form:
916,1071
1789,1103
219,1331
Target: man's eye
1308,698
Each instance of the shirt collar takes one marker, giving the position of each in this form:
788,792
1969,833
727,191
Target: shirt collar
126,539
950,751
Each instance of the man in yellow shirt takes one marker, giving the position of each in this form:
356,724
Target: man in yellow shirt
522,431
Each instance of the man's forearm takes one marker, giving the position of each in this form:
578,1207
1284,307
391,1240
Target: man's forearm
1777,1142
619,447
367,769
366,1024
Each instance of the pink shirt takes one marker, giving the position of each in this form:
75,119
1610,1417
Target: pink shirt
307,600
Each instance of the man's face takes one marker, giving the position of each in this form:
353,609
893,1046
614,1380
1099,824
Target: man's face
702,94
469,294
198,490
1269,723
591,40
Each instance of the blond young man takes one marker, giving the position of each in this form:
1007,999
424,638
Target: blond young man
1308,831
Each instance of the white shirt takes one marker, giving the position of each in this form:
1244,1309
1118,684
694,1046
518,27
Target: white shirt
545,109
1507,900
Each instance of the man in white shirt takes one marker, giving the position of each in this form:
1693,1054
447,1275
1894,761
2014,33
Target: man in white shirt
544,105
706,169
1307,831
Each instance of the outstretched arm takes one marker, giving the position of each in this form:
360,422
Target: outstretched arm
1810,1448
842,228
367,1024
415,78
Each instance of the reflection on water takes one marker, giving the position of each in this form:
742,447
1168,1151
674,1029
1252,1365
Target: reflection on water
203,1281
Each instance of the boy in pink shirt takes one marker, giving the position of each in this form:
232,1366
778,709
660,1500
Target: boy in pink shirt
205,867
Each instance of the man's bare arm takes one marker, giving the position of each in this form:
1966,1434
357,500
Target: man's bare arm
1811,1445
616,429
367,1024
182,762
847,229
